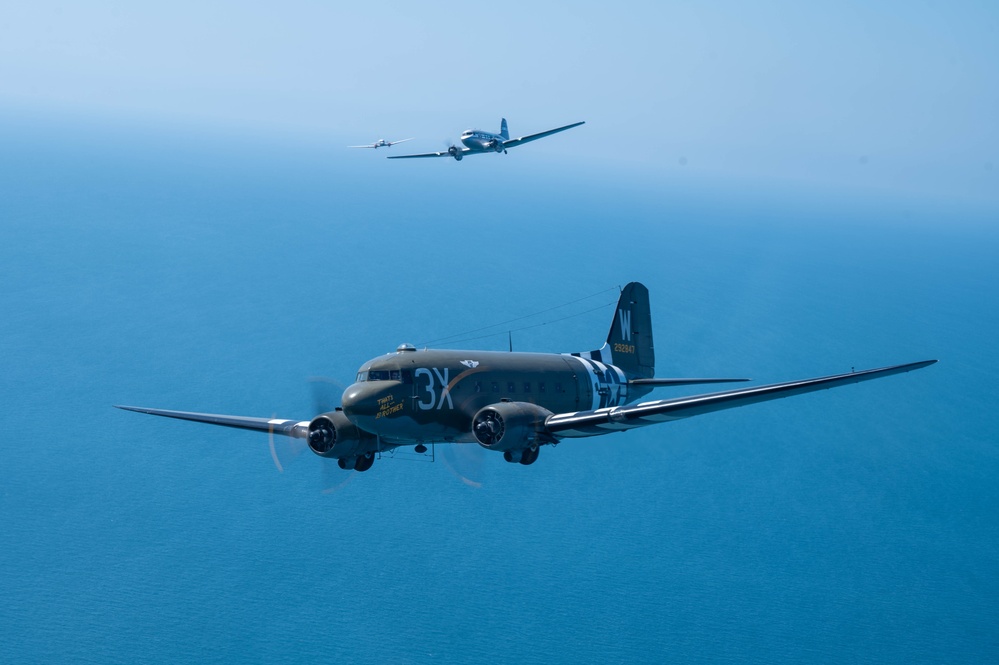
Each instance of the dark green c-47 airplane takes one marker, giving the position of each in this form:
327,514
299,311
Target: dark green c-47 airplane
512,403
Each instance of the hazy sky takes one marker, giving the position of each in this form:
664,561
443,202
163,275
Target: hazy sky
901,95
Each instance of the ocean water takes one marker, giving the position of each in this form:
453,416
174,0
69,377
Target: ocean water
177,269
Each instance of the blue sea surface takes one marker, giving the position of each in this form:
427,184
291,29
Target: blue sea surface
180,270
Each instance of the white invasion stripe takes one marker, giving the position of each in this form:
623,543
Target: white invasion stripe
588,364
277,421
605,353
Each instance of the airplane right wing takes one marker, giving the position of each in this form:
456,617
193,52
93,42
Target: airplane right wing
616,419
361,146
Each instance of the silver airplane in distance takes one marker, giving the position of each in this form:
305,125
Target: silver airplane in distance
380,143
477,141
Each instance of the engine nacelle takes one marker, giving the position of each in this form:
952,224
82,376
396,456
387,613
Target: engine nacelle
497,146
509,426
455,152
333,435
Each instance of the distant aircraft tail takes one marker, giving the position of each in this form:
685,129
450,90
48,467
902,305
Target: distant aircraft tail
629,342
504,132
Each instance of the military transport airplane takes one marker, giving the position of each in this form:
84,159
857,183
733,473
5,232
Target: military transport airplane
477,141
513,403
380,143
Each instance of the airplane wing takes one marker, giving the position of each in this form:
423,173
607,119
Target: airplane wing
512,143
616,419
292,428
361,146
442,153
391,143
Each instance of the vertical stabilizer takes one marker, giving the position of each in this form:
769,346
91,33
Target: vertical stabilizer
504,132
629,342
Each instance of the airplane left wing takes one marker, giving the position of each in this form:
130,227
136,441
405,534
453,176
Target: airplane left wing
512,143
616,419
442,153
292,428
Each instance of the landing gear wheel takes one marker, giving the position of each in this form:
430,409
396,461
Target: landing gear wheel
530,456
364,462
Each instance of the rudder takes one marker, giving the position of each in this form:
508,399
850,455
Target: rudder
503,130
629,344
630,336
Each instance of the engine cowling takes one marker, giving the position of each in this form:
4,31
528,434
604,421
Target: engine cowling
455,152
333,435
510,426
496,145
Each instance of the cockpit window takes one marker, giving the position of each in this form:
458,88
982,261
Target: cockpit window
405,375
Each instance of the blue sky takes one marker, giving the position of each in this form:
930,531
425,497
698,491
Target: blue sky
895,96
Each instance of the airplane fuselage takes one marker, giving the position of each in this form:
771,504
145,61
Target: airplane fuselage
432,395
477,140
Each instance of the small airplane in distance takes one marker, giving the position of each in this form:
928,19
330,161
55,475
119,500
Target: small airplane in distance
512,403
380,143
477,142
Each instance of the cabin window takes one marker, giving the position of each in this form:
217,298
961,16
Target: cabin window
511,387
495,386
558,388
407,376
527,386
478,386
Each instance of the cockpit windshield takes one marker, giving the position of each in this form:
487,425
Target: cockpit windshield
404,375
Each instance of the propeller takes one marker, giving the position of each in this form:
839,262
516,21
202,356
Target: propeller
452,149
326,395
285,450
466,461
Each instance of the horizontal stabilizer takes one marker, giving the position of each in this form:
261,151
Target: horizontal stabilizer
655,383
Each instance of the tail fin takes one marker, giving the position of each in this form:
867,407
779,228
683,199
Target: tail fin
503,130
629,342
